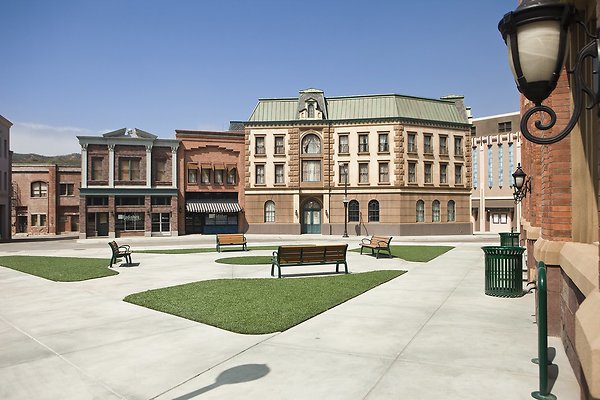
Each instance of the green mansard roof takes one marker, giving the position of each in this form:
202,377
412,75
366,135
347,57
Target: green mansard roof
389,106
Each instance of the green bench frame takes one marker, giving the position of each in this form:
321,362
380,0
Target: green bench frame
123,251
377,244
296,256
231,239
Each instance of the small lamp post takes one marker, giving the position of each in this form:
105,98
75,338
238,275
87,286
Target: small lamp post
345,200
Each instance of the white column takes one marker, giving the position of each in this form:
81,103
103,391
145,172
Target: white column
149,165
174,167
297,210
111,165
84,166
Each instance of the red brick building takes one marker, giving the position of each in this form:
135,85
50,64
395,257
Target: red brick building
211,182
560,217
45,199
128,185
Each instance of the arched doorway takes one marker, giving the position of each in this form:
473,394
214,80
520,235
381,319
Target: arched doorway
311,217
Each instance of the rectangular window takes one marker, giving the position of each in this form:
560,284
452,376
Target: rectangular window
160,200
260,145
39,189
444,173
443,145
344,146
384,172
500,165
495,218
279,174
311,171
260,174
96,169
97,200
130,221
279,145
511,165
38,219
231,176
205,175
219,176
412,172
129,169
192,175
384,143
160,170
504,127
490,167
129,200
343,173
363,143
66,189
428,174
475,167
363,173
503,218
458,179
427,146
458,146
411,146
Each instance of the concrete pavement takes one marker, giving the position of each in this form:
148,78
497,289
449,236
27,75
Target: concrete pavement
429,333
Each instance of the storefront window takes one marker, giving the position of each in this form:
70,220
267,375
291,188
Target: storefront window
130,222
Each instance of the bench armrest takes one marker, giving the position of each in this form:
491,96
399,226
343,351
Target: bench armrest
365,241
382,242
124,246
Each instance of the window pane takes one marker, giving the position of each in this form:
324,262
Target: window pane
373,211
383,142
363,143
260,145
344,148
363,171
420,211
260,174
279,177
192,175
311,171
311,144
435,211
353,211
384,175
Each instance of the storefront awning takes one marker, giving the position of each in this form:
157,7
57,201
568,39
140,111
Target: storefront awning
213,206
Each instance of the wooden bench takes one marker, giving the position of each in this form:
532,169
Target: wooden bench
377,244
119,252
231,239
295,256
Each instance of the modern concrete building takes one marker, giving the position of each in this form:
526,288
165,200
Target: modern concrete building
403,165
496,152
211,182
45,199
5,179
128,185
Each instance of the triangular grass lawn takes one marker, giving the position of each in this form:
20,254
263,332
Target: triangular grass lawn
412,253
60,269
204,250
259,306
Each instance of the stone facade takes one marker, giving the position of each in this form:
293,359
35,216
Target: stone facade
45,199
496,152
5,180
298,163
560,220
128,185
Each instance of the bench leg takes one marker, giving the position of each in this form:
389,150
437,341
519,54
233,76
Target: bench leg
112,259
128,258
279,270
346,266
272,268
377,256
361,248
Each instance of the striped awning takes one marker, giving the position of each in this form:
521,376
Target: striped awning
213,206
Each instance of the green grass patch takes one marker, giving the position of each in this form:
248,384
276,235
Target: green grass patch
258,306
60,269
248,260
413,253
204,250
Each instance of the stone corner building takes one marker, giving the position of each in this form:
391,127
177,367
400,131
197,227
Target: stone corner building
404,162
128,185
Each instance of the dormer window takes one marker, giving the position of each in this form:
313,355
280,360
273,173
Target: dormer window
311,110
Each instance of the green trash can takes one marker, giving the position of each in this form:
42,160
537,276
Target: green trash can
503,271
509,239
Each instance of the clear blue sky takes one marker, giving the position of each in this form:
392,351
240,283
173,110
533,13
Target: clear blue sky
87,67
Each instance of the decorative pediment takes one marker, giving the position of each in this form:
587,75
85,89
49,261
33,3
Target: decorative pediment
130,133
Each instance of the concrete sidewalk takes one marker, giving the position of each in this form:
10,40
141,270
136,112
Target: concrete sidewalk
429,333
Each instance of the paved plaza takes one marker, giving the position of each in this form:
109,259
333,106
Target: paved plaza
430,333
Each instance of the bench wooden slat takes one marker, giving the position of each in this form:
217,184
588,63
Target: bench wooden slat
231,239
288,256
377,244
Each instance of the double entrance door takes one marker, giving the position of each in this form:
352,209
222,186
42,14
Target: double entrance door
311,217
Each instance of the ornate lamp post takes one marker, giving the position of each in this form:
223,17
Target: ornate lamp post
521,184
345,200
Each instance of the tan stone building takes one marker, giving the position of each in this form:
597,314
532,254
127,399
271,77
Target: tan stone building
496,152
128,185
45,199
211,182
405,163
5,180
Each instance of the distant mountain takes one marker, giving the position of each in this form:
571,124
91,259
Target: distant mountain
68,159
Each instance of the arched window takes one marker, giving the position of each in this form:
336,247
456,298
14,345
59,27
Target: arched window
311,110
39,189
269,211
435,211
311,144
420,211
353,211
451,211
373,211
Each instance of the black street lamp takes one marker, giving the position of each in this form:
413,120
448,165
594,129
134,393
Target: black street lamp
345,200
536,35
521,184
